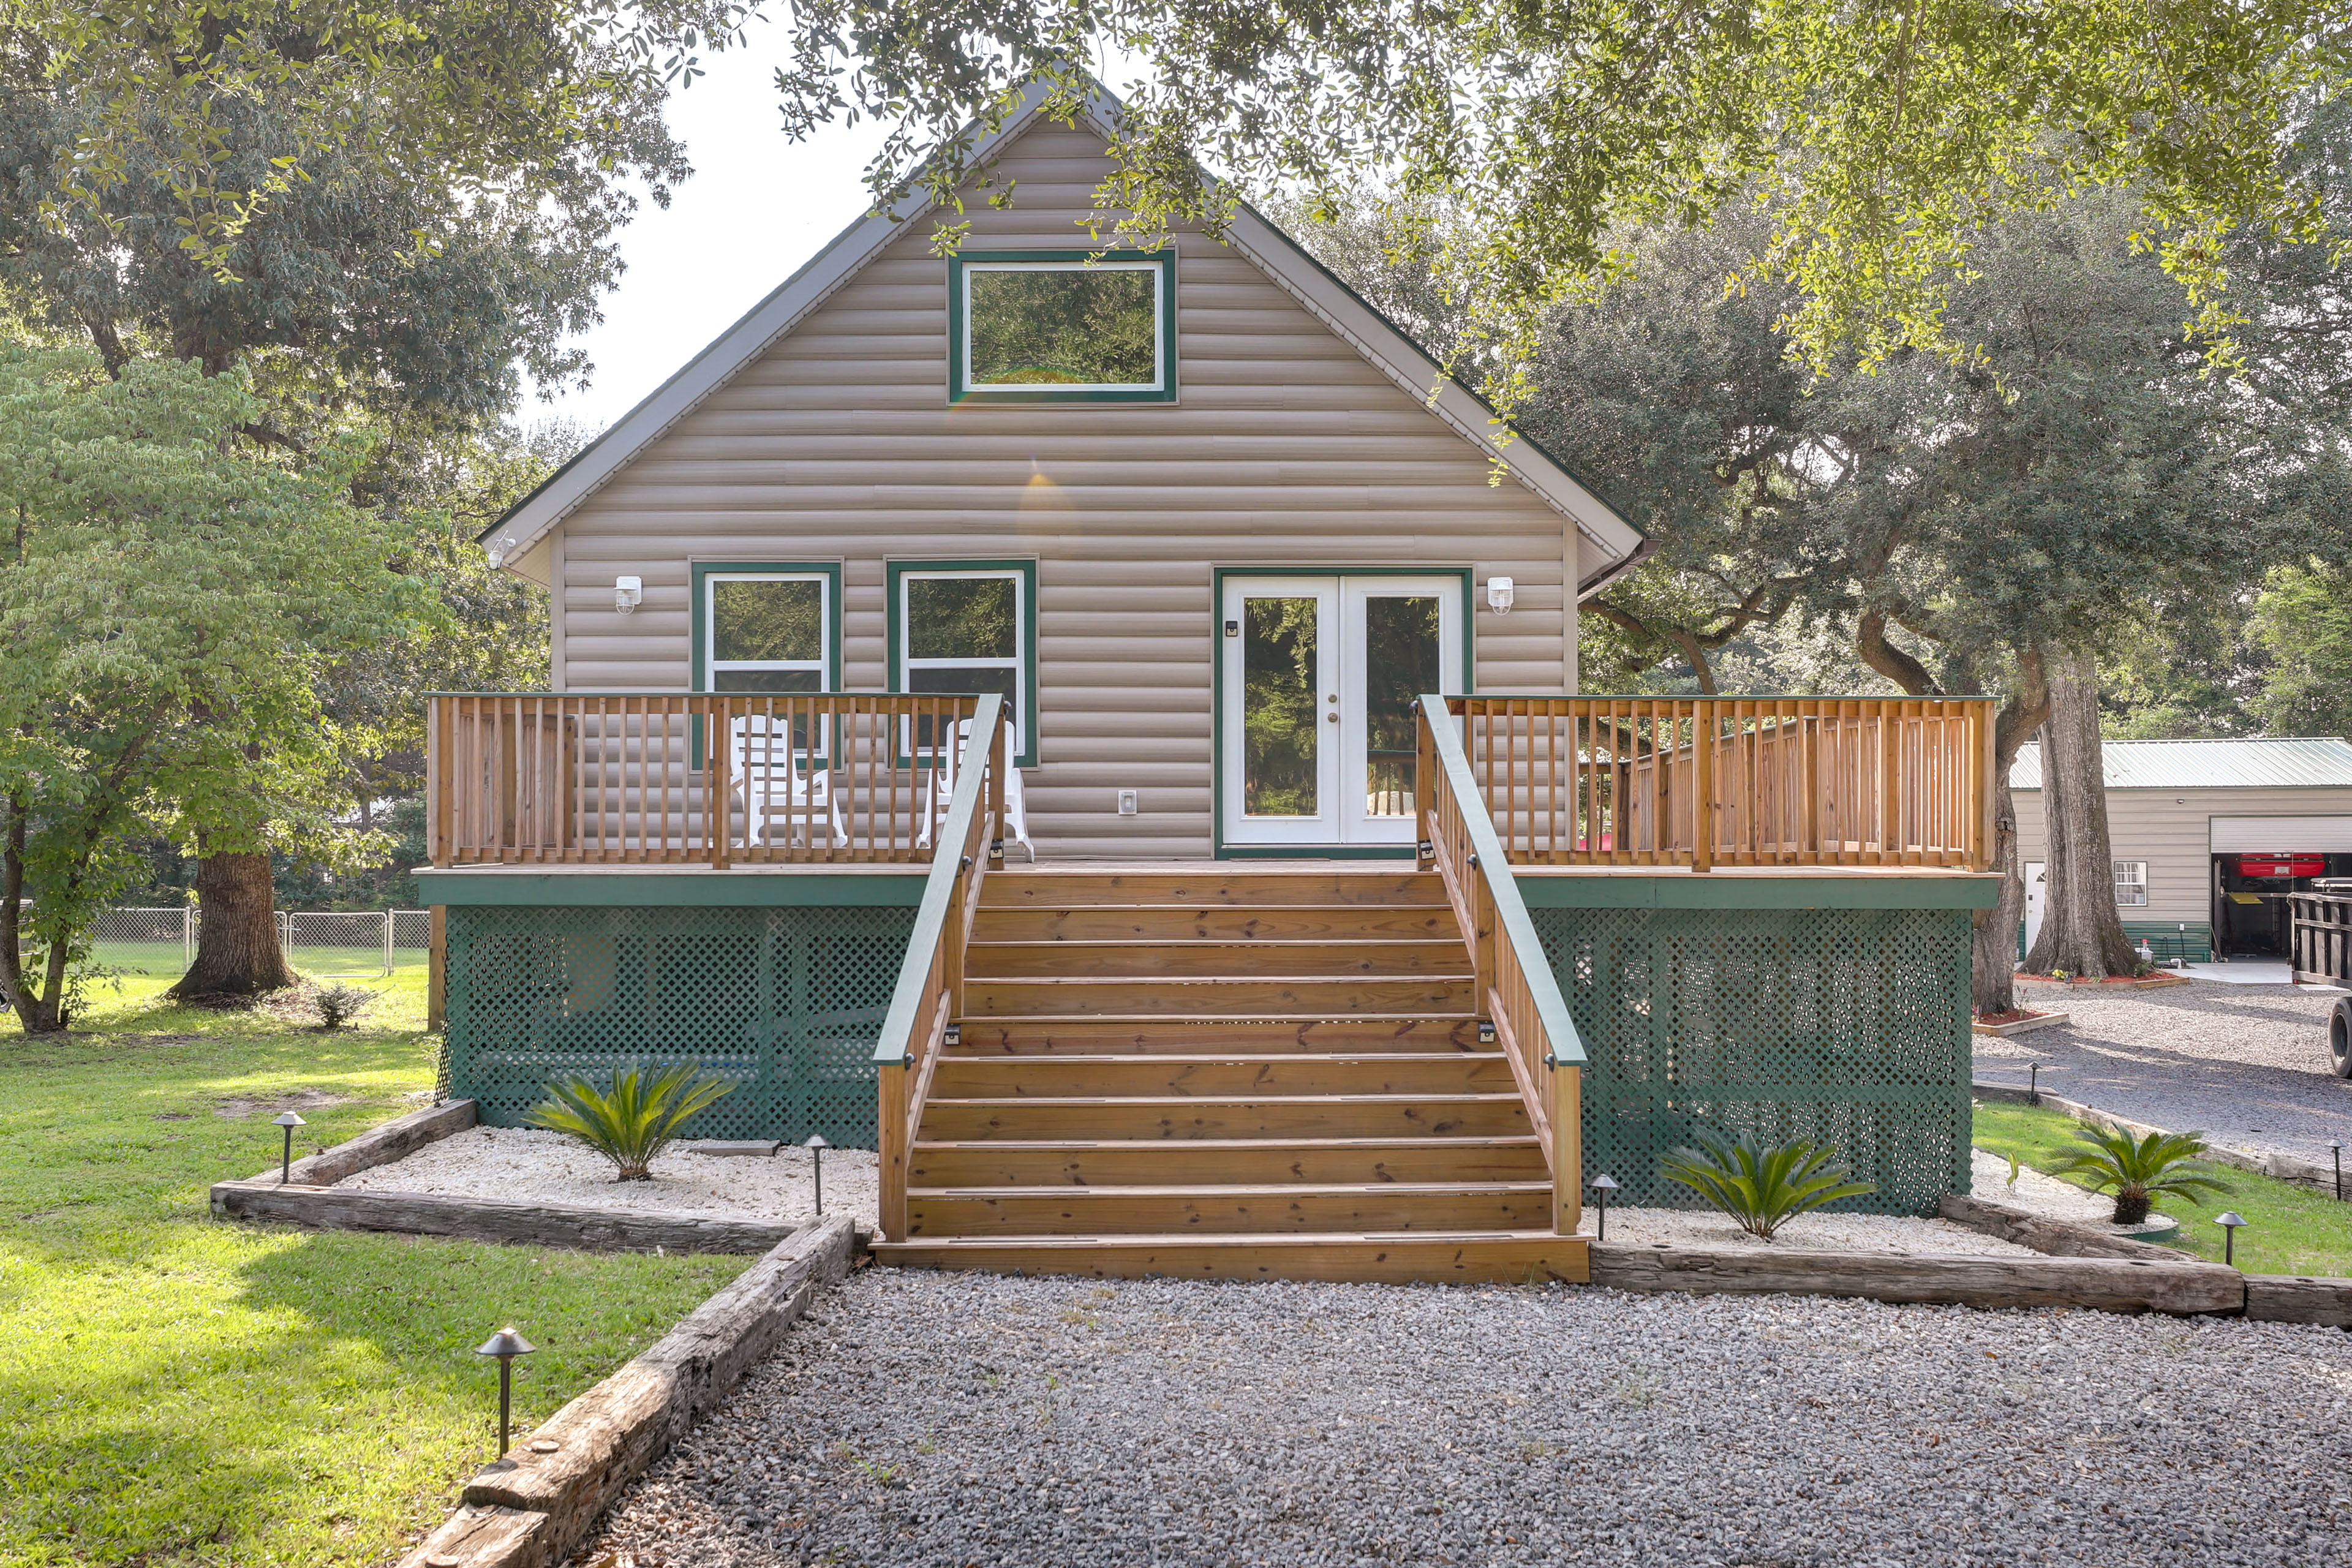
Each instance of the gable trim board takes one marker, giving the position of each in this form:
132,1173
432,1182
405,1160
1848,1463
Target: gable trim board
1380,342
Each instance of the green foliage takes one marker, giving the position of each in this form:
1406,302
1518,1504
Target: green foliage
169,592
2139,1171
494,98
2289,1230
1762,1187
635,1119
2302,620
1877,138
340,1003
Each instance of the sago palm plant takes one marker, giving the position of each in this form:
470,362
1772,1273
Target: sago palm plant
2139,1171
636,1119
1762,1187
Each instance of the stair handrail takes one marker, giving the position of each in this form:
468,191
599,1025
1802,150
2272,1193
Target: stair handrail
929,994
1514,985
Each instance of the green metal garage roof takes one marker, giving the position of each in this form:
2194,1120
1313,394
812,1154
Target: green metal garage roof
2322,762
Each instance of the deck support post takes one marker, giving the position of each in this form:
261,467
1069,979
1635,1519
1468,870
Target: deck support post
1566,1113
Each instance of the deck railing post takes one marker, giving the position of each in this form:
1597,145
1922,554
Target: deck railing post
893,1139
999,759
1566,1114
1702,786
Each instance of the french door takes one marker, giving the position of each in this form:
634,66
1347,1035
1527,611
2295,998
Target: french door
1320,678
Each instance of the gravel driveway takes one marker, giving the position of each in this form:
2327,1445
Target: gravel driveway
2247,1064
937,1419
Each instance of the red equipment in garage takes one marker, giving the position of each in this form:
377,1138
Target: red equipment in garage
2281,865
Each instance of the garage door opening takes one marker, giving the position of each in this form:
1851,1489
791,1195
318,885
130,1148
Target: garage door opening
2257,861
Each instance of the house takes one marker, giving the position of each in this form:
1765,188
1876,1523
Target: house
1338,936
2209,837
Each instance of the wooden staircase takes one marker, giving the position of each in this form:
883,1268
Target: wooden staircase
1230,1072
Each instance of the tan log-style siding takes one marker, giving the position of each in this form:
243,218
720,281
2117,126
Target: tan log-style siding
1288,448
2172,829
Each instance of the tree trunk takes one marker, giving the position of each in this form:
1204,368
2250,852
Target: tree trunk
1993,979
2081,931
237,955
36,1012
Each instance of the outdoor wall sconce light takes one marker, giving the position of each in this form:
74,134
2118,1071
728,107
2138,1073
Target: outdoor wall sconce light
2229,1220
1500,594
506,1344
289,1121
1603,1186
816,1147
628,593
499,552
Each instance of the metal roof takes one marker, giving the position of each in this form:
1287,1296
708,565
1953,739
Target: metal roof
2320,762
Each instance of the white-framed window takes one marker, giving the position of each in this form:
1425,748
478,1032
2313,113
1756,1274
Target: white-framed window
969,627
2131,882
1062,326
767,629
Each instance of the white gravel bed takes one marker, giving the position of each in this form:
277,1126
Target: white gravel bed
1814,1231
519,1164
2247,1065
2038,1193
932,1419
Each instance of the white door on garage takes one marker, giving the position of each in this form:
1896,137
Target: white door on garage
2282,835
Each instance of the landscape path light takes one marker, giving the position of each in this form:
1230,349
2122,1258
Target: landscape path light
1605,1185
2229,1220
2337,1150
506,1344
289,1121
816,1146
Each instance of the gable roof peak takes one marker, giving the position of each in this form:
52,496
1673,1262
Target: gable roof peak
1617,546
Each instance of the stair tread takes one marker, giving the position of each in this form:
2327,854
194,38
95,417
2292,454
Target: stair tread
1157,1020
1237,1239
1236,1059
1197,1100
1065,944
1254,1145
1228,1189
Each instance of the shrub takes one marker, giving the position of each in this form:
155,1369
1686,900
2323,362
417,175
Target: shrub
633,1121
338,1005
2141,1170
1763,1188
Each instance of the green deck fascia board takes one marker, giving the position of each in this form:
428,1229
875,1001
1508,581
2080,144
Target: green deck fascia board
1708,891
674,890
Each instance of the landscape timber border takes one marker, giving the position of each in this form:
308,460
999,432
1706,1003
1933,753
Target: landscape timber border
309,1198
536,1507
2019,1025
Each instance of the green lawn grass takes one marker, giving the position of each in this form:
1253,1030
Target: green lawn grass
178,1390
2289,1229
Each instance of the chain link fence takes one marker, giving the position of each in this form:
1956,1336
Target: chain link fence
329,945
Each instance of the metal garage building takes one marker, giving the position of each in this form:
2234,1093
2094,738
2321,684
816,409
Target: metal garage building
2209,837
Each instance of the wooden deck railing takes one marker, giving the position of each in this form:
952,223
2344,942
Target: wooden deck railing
1515,984
1733,780
688,778
929,994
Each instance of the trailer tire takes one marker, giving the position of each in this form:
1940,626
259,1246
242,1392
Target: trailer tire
2339,1037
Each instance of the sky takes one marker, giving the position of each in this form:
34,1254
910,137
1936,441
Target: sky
757,208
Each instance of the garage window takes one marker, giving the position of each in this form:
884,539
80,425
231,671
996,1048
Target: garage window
2131,882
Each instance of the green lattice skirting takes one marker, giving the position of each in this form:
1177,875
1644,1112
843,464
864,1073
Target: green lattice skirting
787,1002
1850,1026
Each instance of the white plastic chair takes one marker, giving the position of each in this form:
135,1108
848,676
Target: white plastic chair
1017,811
779,781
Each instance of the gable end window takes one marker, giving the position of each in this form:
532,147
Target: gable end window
766,627
1062,326
969,627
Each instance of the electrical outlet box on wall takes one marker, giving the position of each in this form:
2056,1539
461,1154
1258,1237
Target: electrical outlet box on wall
1127,803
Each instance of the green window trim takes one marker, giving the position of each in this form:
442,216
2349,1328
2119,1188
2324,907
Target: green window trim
964,263
700,574
1024,572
